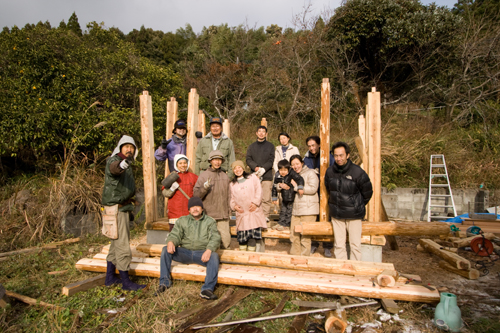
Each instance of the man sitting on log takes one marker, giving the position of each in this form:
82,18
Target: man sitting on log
350,189
194,240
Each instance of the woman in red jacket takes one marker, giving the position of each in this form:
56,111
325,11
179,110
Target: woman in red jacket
177,201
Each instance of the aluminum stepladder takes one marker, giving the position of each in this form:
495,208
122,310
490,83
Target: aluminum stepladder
438,178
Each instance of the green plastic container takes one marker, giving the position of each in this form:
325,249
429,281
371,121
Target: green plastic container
448,315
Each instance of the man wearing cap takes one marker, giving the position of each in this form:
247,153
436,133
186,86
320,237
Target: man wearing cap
175,145
119,189
260,159
194,240
215,140
212,187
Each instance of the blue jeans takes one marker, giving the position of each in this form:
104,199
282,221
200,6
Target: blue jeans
186,256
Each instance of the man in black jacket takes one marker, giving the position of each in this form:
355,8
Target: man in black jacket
350,189
260,159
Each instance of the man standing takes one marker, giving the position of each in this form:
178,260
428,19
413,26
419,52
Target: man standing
312,160
260,159
350,190
215,140
194,240
212,187
119,188
175,145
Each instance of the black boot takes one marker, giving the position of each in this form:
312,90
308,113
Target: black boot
129,285
111,277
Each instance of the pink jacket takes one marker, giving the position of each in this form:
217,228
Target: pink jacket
243,195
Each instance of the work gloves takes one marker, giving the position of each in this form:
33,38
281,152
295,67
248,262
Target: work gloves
207,184
174,186
124,165
260,172
164,144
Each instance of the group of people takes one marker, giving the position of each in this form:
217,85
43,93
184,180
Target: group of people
201,203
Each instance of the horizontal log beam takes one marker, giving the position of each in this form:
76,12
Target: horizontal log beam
380,228
313,264
452,258
273,278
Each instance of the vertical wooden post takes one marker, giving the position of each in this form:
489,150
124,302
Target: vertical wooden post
263,122
148,160
201,122
172,110
362,135
192,126
324,135
226,128
374,167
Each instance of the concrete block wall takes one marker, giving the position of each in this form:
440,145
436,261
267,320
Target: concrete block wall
411,203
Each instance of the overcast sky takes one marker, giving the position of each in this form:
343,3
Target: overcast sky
165,15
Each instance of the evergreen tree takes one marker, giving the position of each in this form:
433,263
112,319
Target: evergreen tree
73,24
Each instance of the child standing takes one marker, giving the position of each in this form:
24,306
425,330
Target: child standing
283,183
246,198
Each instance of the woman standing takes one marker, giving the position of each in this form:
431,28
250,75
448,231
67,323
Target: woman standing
305,207
178,202
246,198
284,151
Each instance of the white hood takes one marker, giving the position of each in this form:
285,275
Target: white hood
124,140
177,157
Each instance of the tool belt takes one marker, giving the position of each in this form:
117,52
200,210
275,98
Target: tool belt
110,221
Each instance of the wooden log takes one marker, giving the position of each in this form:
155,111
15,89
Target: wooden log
313,264
280,279
202,122
172,111
148,160
75,287
472,274
374,139
389,305
324,135
226,128
361,149
377,240
32,301
379,228
450,257
335,323
387,278
192,127
462,242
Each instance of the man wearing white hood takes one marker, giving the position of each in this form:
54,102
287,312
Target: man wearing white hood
119,189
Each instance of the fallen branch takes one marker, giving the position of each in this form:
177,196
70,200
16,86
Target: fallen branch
32,301
45,247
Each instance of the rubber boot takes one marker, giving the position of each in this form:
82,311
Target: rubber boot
129,285
243,247
111,277
252,245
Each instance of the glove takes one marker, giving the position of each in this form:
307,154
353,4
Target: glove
174,186
261,172
164,144
206,185
124,164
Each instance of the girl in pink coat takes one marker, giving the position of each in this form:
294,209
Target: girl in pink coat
246,197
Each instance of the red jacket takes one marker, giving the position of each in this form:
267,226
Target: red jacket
178,203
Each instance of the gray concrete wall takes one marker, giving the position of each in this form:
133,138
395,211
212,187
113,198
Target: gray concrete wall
411,203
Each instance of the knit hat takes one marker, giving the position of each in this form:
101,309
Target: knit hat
180,123
237,163
195,201
215,154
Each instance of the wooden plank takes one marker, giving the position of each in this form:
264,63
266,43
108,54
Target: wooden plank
148,160
377,240
298,322
75,287
317,305
202,122
379,228
324,135
374,158
450,257
280,279
281,305
215,311
192,127
472,274
316,264
389,305
226,128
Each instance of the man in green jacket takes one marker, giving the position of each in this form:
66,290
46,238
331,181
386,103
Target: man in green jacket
215,140
119,188
194,240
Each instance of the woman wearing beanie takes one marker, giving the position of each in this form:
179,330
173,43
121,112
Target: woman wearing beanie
177,201
246,197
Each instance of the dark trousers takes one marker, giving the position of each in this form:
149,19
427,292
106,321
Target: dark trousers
326,245
286,213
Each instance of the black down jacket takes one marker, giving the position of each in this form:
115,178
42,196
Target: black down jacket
287,195
350,189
